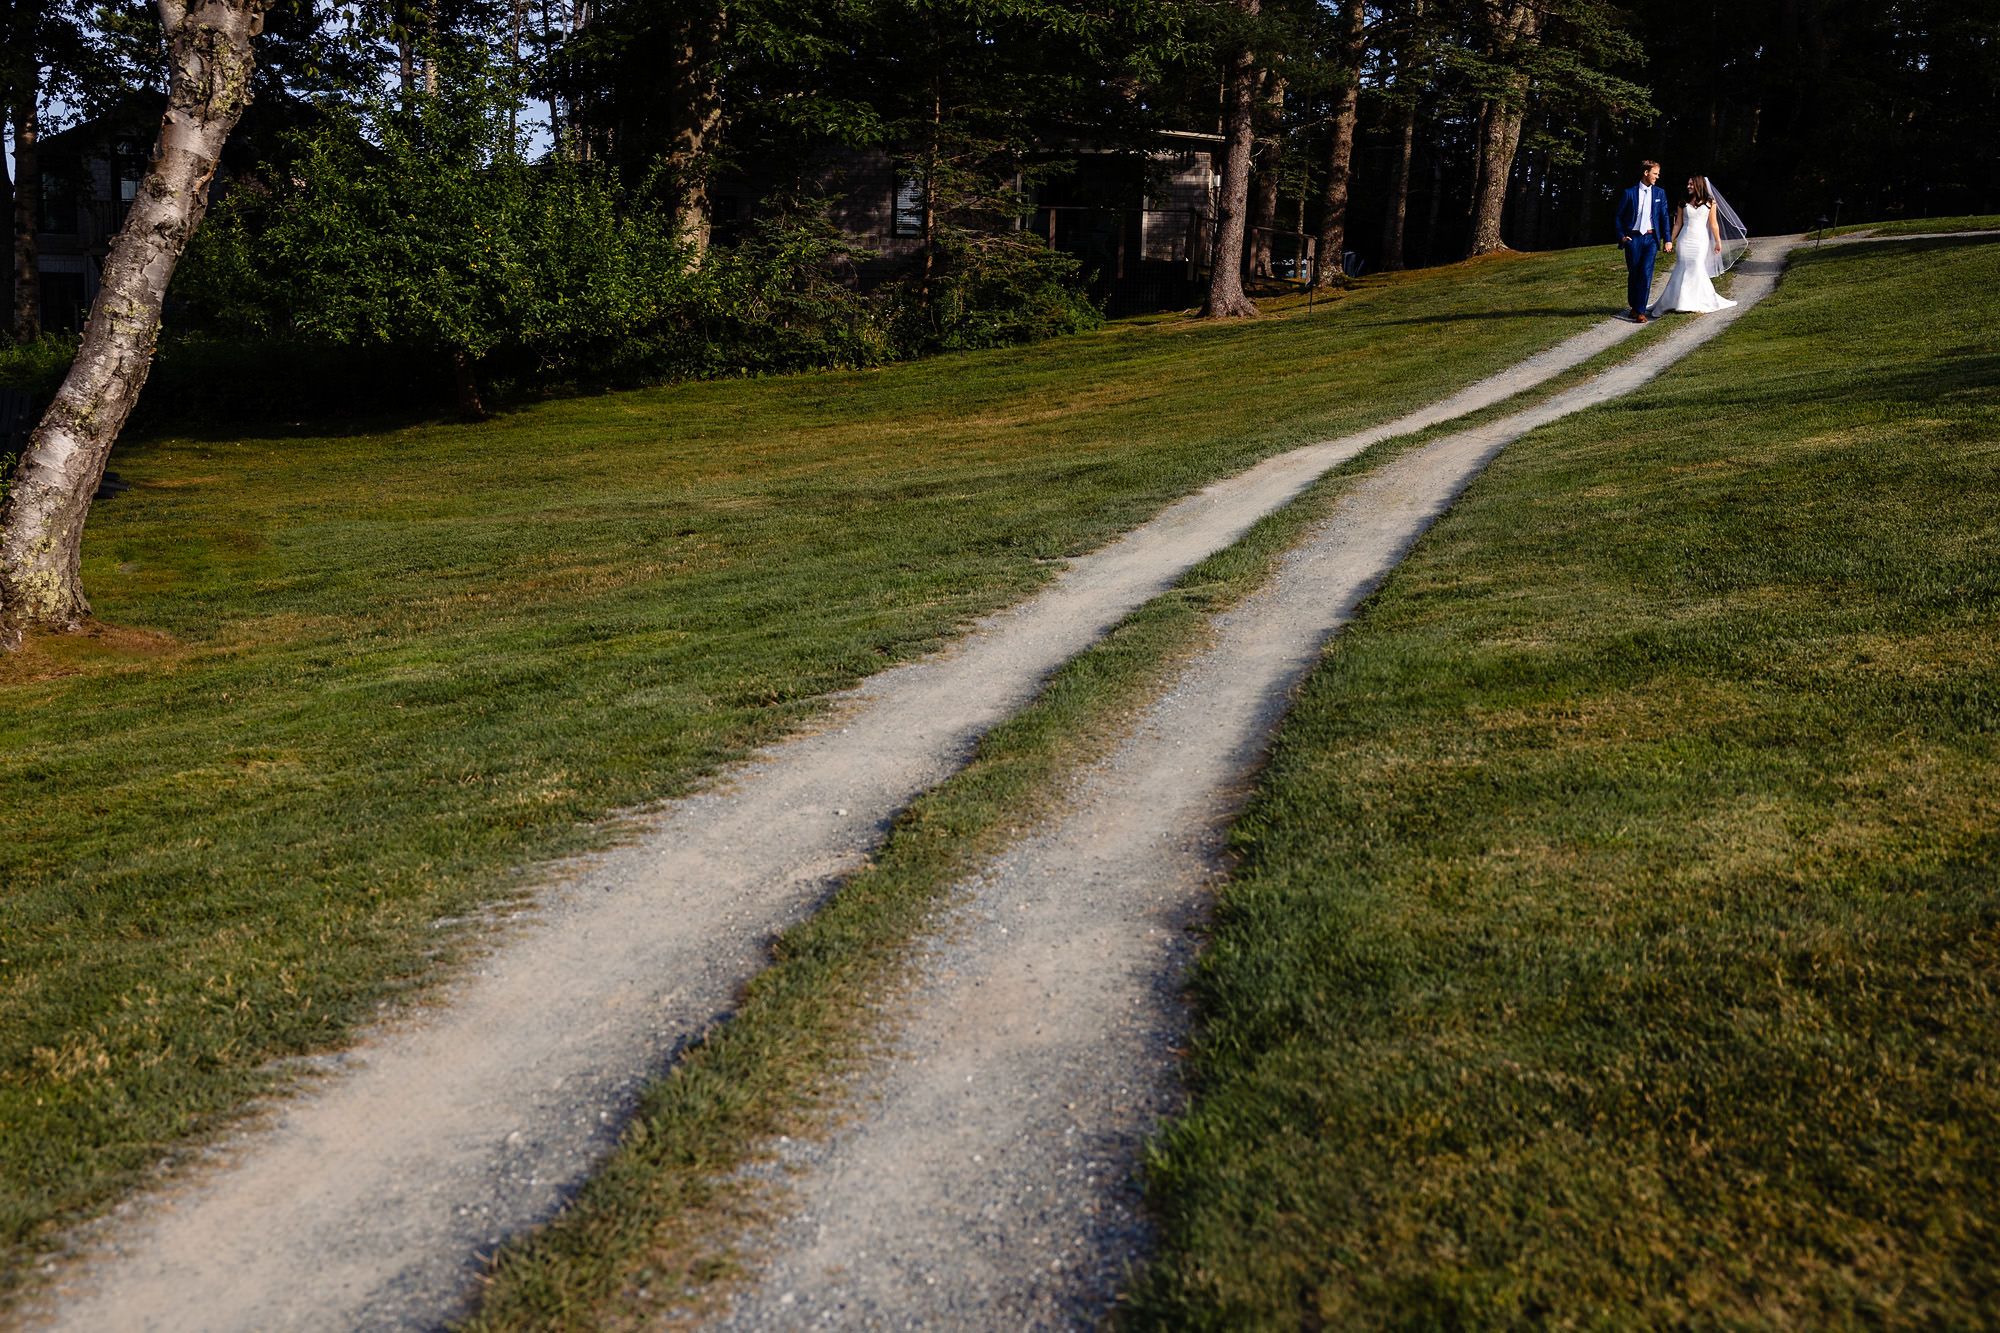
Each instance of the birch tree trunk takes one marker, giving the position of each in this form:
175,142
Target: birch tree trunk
209,61
1340,148
1225,298
697,116
27,218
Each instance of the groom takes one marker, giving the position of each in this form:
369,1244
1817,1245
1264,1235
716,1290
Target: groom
1642,231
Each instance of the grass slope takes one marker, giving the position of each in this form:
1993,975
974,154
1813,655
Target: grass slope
1916,226
1617,932
654,1239
362,676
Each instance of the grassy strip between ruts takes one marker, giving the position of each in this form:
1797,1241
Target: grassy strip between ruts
650,1241
660,1218
1617,931
379,669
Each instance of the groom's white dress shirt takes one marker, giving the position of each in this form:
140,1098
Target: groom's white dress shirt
1645,210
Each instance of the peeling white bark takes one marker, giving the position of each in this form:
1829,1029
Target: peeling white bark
209,61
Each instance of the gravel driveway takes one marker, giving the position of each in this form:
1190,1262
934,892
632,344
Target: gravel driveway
1003,1143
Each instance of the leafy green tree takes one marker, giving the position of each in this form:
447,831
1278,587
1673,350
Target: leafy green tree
419,228
1516,51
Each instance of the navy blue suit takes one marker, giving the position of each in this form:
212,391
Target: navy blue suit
1641,249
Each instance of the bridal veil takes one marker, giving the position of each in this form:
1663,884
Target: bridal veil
1735,236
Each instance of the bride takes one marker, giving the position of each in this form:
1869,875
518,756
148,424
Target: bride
1692,285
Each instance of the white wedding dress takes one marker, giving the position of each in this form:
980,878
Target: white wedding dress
1691,285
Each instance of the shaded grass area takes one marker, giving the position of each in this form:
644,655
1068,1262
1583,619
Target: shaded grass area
1617,930
652,1241
351,682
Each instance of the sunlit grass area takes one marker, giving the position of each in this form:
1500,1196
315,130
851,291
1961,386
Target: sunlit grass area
1914,226
1616,938
354,680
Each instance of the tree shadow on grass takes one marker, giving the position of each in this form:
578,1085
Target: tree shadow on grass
1534,312
1925,381
1867,248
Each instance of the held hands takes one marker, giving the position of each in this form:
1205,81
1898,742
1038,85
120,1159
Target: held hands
1668,247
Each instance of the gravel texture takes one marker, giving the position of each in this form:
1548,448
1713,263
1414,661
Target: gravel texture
370,1199
991,1181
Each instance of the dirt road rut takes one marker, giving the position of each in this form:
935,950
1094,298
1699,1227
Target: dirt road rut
990,1181
370,1200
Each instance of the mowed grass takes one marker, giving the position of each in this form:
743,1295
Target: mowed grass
657,1237
356,681
1617,930
1916,226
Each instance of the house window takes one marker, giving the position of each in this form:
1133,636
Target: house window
906,209
129,163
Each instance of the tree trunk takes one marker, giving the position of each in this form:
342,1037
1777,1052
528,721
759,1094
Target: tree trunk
7,287
209,62
1478,161
933,153
1399,190
1511,28
464,387
1538,203
697,116
519,7
1264,190
1437,202
1496,165
1518,218
1225,275
27,212
1340,151
1263,217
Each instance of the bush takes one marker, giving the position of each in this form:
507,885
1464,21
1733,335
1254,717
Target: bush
36,368
403,249
989,290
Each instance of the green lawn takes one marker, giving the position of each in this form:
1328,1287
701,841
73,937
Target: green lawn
1913,226
359,679
660,1228
1617,932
